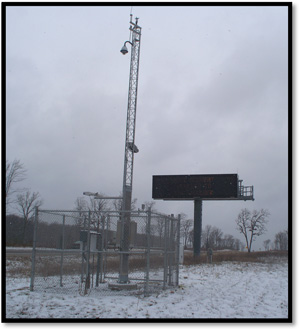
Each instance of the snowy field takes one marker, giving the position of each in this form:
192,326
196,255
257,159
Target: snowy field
228,290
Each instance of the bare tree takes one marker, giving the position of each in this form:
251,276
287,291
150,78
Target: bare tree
267,244
252,224
243,224
117,204
15,172
150,204
186,227
82,208
228,241
81,205
216,237
237,244
97,207
191,237
159,227
154,228
281,241
206,237
26,204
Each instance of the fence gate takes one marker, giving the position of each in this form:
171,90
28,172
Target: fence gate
81,252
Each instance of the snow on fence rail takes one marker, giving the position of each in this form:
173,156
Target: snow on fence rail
83,251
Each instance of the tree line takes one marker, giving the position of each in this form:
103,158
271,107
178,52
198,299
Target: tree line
280,241
211,237
19,226
50,235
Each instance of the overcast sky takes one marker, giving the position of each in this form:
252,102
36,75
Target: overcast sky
212,99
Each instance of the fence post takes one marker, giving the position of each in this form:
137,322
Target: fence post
166,251
33,249
102,248
98,255
106,244
83,245
171,250
62,250
87,278
148,230
178,250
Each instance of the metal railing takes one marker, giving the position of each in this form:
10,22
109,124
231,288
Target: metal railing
245,192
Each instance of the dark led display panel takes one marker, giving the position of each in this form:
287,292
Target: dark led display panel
190,187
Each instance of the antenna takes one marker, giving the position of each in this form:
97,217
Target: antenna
130,32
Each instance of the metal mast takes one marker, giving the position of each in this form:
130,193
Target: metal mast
130,147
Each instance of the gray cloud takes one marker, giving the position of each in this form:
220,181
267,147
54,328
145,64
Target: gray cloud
212,98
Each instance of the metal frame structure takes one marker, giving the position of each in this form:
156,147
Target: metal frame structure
130,147
93,267
245,192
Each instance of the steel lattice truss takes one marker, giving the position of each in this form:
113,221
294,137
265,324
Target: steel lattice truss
130,147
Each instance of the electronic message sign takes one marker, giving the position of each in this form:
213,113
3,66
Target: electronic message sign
191,187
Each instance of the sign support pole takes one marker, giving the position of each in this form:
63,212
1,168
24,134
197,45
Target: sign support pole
197,226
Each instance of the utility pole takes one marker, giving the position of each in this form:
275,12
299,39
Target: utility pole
130,147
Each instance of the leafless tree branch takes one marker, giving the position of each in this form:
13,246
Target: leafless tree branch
252,225
15,172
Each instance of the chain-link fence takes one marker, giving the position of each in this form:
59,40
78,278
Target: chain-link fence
109,252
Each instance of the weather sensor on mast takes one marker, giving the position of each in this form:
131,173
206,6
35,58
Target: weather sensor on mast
130,147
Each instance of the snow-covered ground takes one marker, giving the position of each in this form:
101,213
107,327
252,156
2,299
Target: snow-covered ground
227,290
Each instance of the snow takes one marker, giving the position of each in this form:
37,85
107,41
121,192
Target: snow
217,291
